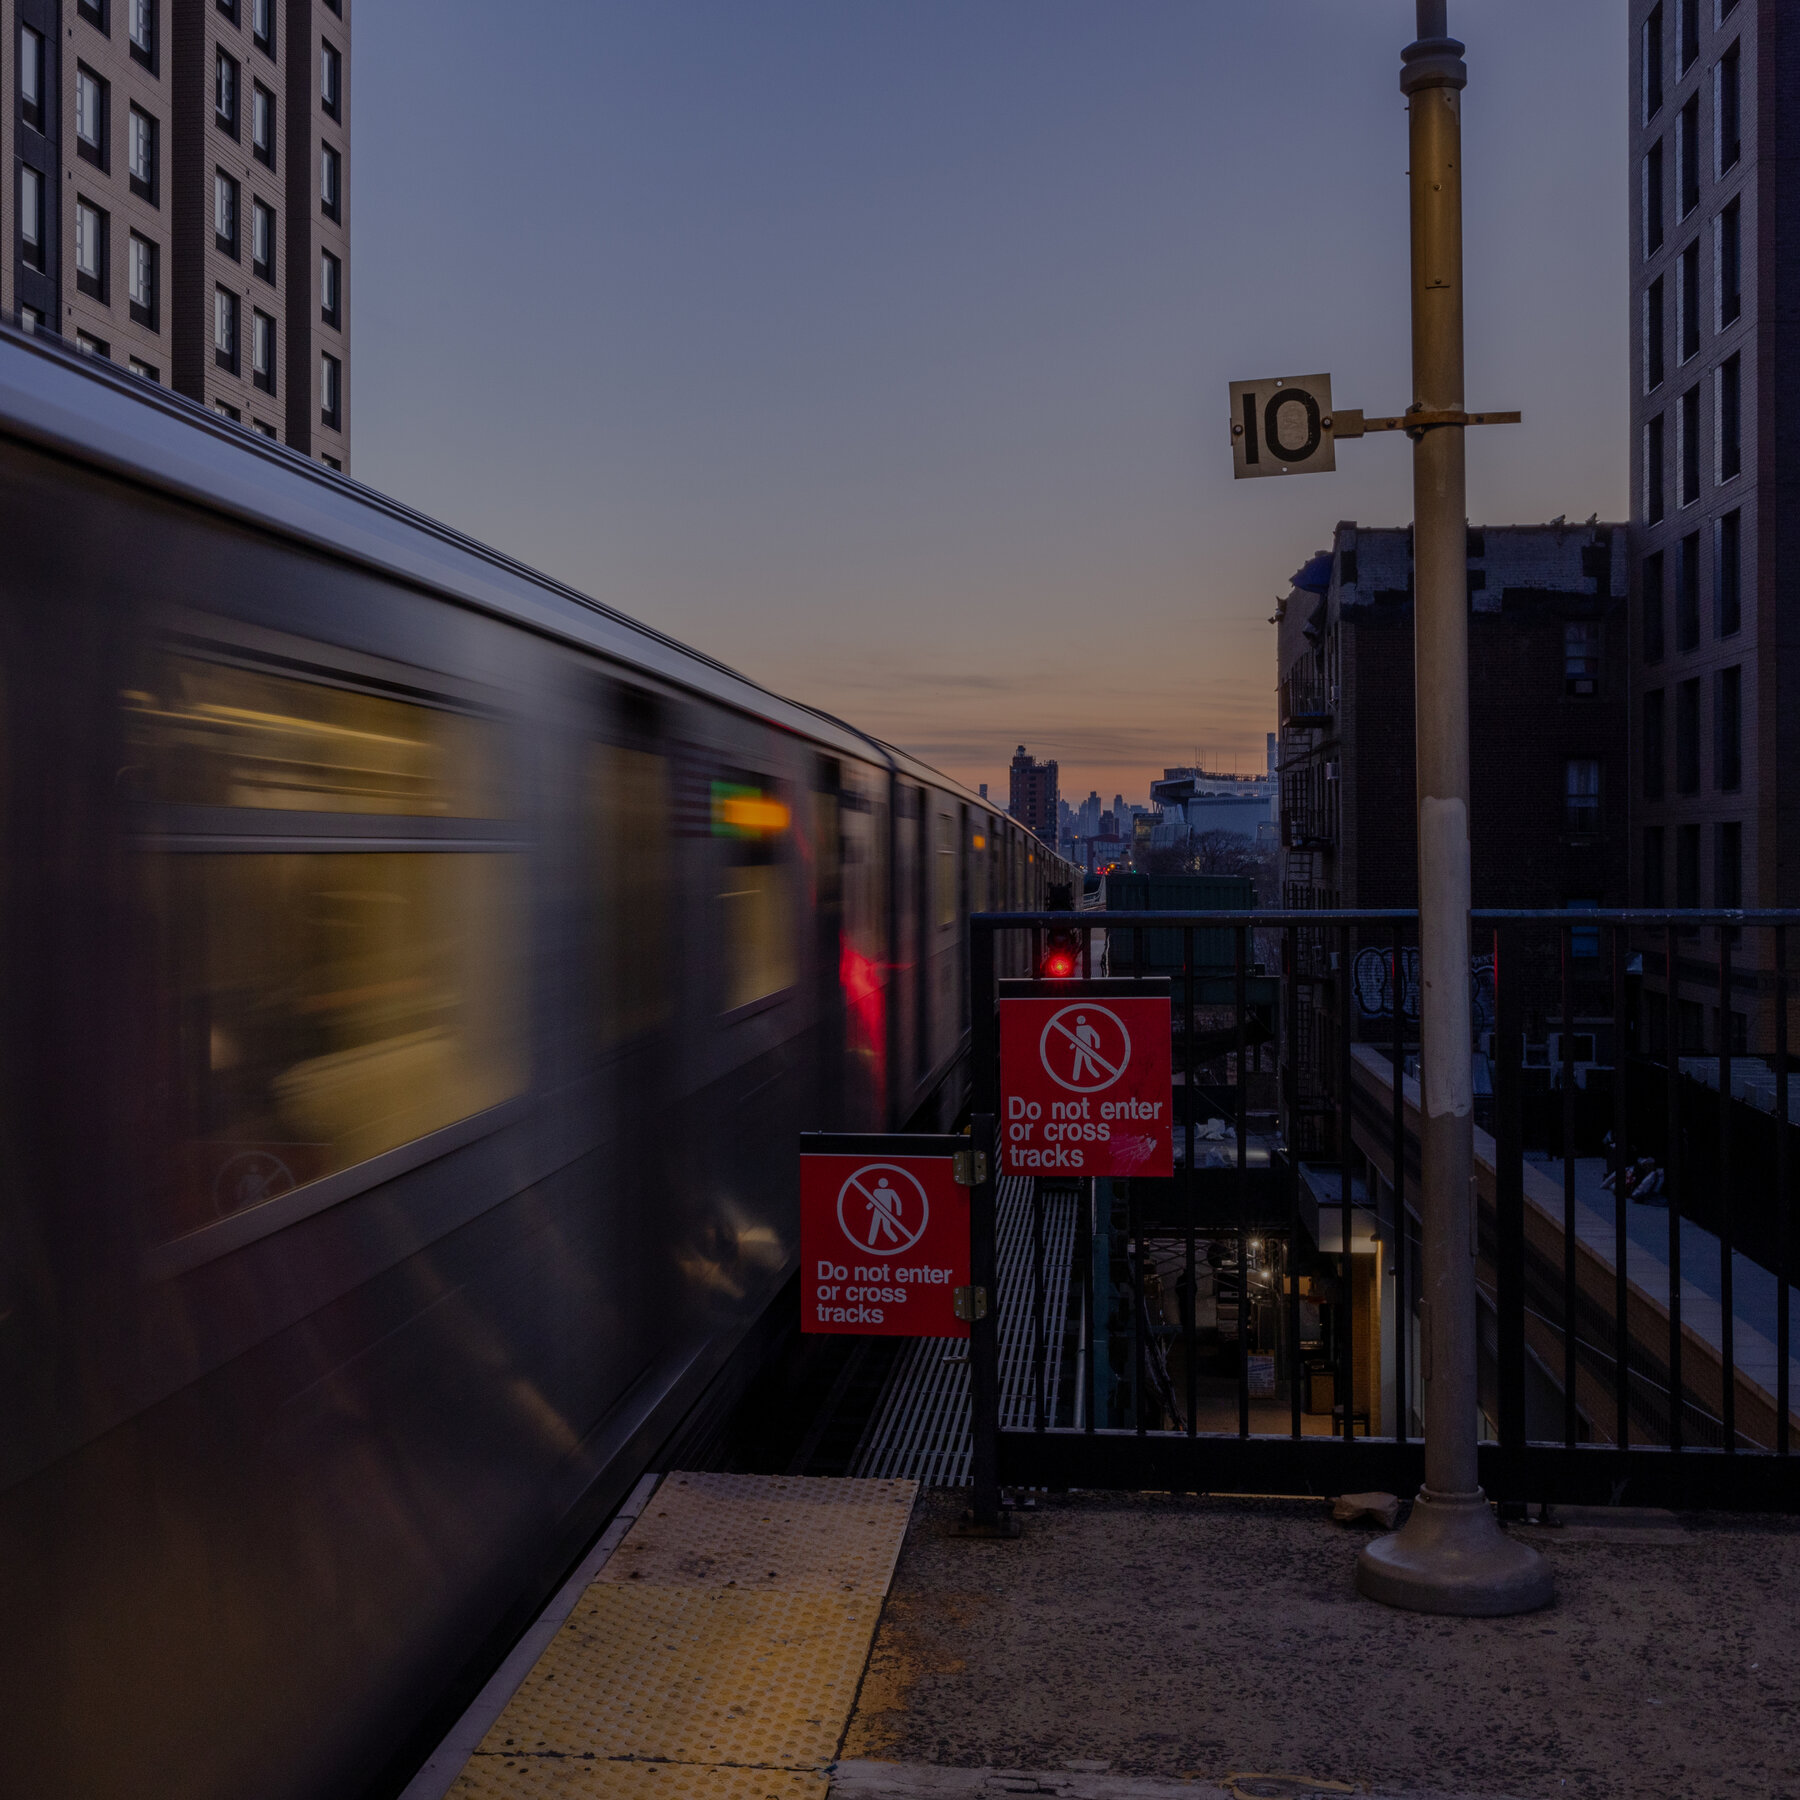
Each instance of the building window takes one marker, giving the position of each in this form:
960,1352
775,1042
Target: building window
89,345
1728,247
32,228
225,213
262,240
1581,657
1654,726
331,462
262,25
1728,572
145,371
226,410
337,6
1654,888
1687,739
331,386
331,289
1726,110
1690,446
1653,336
142,273
1689,12
1687,592
262,124
1653,64
1653,198
31,321
1730,419
1581,796
95,12
1652,599
143,155
1687,156
1687,301
1655,476
266,429
1728,729
262,351
330,169
229,8
225,92
331,75
90,250
1687,866
225,329
1728,871
142,32
31,78
90,116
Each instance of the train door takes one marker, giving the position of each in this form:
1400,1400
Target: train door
826,855
632,998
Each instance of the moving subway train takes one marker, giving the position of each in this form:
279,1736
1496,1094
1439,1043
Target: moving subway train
416,978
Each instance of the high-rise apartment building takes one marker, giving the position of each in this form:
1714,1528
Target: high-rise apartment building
179,201
1715,88
1033,798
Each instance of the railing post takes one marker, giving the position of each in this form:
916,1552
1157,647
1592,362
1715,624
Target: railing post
1672,1161
1397,1156
1243,1183
1783,1202
984,1261
1566,1074
1621,1160
1727,1324
1509,1190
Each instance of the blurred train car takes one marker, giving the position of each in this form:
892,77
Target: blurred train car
416,977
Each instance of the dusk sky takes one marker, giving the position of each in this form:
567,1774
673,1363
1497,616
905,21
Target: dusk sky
881,350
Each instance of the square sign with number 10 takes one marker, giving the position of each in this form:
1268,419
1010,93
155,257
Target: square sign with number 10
1086,1085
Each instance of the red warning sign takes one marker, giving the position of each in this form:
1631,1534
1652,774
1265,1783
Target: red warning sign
1086,1083
884,1235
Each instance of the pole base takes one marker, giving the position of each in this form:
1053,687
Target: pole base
1452,1557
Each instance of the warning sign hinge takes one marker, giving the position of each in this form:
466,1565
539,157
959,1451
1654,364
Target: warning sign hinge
970,1168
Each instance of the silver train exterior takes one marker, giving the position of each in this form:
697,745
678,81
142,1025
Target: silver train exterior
417,975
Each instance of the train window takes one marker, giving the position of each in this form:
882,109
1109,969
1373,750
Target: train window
756,893
629,791
214,734
330,1007
321,1006
944,879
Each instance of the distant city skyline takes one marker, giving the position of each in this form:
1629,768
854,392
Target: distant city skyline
882,352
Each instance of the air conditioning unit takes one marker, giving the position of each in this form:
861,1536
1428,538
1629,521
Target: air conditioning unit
1331,771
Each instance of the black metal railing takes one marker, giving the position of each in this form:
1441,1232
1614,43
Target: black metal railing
1250,1323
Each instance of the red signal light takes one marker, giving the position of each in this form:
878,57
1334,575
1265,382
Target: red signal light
1059,965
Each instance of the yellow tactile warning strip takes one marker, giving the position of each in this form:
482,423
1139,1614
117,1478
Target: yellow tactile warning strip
717,1653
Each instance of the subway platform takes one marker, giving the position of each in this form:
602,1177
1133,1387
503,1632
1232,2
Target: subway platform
784,1638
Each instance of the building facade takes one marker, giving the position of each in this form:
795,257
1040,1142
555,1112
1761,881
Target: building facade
1548,738
179,201
1033,796
1715,90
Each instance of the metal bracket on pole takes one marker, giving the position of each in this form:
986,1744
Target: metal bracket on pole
1349,422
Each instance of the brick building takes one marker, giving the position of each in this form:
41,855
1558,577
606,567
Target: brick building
1714,105
1033,796
1548,732
179,201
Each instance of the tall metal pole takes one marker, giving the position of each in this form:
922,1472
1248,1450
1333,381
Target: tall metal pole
1451,1556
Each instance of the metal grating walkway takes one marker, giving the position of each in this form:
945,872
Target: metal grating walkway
920,1430
717,1652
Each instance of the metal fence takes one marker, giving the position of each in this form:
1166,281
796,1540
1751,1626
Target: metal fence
1250,1325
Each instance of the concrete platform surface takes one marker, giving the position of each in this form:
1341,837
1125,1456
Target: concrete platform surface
1194,1640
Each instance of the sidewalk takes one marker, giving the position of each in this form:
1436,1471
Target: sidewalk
1137,1636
